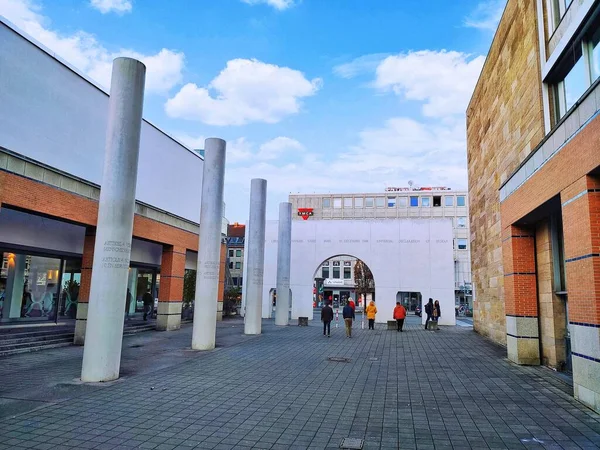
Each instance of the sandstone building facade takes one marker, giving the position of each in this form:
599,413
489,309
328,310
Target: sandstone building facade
533,136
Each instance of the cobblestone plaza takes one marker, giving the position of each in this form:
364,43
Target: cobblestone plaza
280,391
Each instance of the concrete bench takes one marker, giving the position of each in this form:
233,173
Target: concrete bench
302,321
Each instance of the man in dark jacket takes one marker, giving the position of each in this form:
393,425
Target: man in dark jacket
348,314
326,318
148,305
429,311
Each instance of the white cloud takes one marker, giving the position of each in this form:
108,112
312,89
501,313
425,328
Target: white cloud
443,80
360,65
82,50
486,15
277,4
278,147
245,91
117,6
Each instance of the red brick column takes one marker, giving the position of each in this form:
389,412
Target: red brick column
581,229
170,295
520,295
87,260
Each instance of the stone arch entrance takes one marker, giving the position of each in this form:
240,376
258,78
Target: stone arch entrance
404,255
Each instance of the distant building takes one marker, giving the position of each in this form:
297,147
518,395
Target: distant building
235,255
400,203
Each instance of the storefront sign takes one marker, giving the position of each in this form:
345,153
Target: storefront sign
305,213
333,282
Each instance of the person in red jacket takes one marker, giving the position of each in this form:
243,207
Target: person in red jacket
399,315
351,303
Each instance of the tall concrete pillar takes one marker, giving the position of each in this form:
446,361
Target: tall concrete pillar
209,247
284,259
255,237
112,249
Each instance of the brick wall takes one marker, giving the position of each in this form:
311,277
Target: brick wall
504,123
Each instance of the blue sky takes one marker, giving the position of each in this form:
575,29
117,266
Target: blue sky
313,95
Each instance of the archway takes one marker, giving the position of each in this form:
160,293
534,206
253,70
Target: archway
341,278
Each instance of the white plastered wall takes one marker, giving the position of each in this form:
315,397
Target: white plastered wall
403,255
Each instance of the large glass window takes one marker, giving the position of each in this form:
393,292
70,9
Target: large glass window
426,202
460,200
461,244
461,222
595,55
325,272
347,202
238,265
326,202
391,202
358,202
402,202
449,200
414,201
347,273
337,202
380,202
238,253
370,202
336,272
231,253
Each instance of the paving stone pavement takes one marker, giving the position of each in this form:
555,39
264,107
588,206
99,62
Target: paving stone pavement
418,389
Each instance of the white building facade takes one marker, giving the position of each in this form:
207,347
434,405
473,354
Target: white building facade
400,203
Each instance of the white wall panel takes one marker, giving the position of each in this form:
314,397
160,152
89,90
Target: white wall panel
52,115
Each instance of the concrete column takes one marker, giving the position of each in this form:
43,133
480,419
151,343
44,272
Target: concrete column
87,260
284,260
15,284
245,271
255,237
170,296
112,250
209,247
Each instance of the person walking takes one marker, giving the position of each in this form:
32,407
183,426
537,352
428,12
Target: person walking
399,315
348,314
371,311
148,304
437,313
429,311
326,318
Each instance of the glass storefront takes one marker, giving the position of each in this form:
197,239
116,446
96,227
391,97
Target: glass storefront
143,283
38,287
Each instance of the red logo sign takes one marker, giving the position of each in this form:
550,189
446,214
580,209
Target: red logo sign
305,213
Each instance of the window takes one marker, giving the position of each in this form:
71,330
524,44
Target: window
238,253
347,202
391,202
449,200
234,281
325,272
336,264
326,202
437,200
460,200
358,202
337,202
426,202
559,8
414,201
369,202
238,265
461,222
594,49
336,272
241,281
231,253
231,265
380,202
462,244
347,263
347,273
325,264
402,202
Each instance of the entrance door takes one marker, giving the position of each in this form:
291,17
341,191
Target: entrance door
568,365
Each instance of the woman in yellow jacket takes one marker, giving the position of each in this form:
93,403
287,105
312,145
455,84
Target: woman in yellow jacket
371,311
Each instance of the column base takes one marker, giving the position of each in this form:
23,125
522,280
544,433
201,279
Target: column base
585,358
168,316
522,340
81,323
219,311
